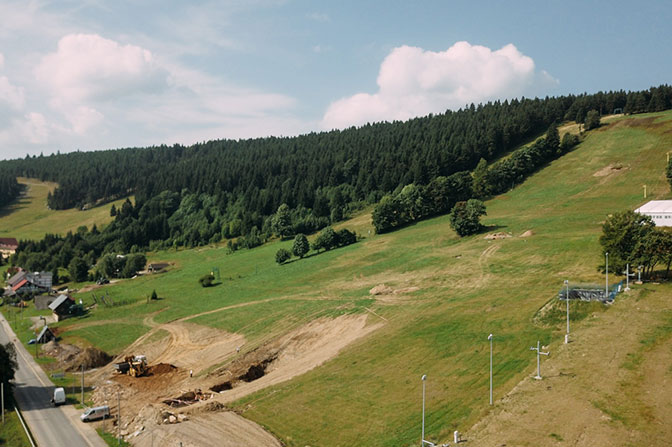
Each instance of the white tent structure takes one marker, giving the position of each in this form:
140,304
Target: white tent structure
659,210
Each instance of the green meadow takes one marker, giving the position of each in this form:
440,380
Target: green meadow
30,218
454,292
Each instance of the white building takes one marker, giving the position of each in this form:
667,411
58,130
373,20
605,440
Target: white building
659,210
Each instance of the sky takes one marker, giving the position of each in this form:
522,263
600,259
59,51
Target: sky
94,74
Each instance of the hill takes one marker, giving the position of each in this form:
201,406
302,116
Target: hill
438,298
28,217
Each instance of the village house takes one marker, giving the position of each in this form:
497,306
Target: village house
62,307
8,246
27,283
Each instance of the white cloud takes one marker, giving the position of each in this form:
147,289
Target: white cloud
318,17
12,100
89,67
415,82
31,128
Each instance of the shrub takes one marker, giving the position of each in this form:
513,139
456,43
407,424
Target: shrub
206,280
282,256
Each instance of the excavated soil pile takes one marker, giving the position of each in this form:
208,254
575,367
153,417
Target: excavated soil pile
90,358
158,378
528,233
64,354
188,398
161,368
247,370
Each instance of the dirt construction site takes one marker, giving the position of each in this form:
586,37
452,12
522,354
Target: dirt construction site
191,372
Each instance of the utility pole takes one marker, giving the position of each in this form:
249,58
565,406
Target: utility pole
2,397
118,418
539,353
490,338
424,379
82,386
567,299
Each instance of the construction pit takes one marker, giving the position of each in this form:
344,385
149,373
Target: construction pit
195,372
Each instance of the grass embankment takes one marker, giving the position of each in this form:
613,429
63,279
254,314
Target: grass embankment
29,218
11,432
466,289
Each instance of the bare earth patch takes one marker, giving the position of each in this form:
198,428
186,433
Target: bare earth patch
169,406
607,170
295,354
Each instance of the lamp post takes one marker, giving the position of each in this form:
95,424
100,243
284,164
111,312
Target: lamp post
424,379
538,349
567,299
490,338
606,271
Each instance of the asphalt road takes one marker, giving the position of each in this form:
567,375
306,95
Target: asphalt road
50,426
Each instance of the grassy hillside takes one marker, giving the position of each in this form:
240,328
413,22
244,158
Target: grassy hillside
453,293
29,218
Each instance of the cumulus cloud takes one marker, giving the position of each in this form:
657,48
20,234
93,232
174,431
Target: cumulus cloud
12,100
415,82
318,17
88,67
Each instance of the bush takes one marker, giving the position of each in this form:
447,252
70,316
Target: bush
282,256
465,217
207,280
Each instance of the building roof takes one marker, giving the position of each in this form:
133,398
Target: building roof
655,206
19,284
58,301
43,332
9,242
18,276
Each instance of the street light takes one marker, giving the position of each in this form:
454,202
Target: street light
490,338
567,299
424,379
538,349
606,271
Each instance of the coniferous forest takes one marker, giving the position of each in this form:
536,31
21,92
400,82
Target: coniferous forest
9,188
225,189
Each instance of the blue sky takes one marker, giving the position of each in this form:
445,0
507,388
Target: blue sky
93,74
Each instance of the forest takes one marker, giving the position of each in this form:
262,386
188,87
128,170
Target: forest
240,190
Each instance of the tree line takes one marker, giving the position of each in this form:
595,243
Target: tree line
9,188
248,190
257,175
633,238
416,202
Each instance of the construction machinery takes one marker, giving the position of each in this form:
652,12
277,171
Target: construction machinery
133,365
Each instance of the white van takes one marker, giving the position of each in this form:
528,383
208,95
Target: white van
95,413
59,397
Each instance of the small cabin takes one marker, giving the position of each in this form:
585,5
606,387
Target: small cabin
62,307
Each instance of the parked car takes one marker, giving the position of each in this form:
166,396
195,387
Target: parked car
95,413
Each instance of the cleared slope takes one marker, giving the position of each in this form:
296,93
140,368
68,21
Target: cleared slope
372,394
29,218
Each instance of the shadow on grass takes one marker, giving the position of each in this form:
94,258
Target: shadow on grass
491,228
